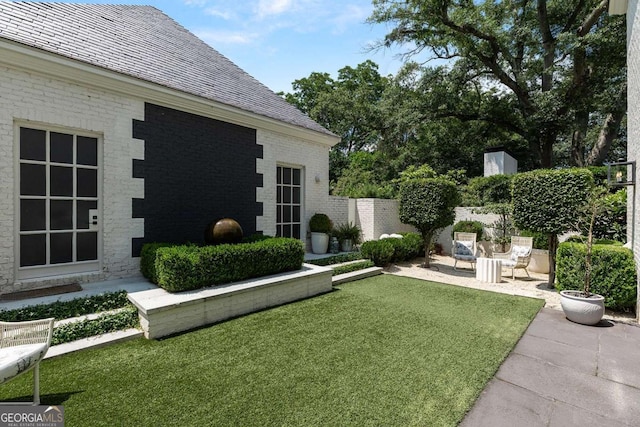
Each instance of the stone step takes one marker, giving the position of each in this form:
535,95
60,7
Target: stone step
356,275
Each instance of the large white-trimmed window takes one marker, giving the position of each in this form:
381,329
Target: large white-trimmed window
58,186
289,202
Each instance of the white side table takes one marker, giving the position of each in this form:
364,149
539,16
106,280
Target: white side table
489,270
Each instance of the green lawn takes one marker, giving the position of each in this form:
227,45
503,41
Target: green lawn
382,351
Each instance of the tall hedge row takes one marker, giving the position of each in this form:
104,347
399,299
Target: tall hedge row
613,273
181,268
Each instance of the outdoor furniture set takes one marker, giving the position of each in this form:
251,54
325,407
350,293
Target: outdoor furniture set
490,269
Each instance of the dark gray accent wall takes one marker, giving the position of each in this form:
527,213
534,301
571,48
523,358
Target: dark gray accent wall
195,170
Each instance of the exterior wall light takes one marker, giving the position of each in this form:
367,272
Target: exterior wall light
621,173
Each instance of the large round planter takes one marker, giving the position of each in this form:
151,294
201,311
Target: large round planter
319,243
539,262
577,308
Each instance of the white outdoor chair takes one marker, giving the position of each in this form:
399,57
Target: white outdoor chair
22,347
464,248
518,256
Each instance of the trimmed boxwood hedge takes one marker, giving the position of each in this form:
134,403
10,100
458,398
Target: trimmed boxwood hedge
613,272
385,251
181,268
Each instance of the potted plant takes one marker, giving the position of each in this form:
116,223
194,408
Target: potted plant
320,226
349,235
581,306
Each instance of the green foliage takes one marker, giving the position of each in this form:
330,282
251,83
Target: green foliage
422,172
428,205
613,273
385,251
336,259
468,227
320,223
348,231
379,251
484,190
148,260
540,240
110,322
560,68
547,200
583,239
181,268
364,177
356,266
255,238
611,217
66,309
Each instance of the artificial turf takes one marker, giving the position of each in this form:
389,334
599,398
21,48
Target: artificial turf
387,350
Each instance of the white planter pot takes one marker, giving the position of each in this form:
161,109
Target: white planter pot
539,262
319,243
347,245
577,308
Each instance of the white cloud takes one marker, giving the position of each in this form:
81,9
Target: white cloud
199,3
226,15
213,37
349,16
273,7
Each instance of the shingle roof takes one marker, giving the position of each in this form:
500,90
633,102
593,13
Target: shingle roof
143,42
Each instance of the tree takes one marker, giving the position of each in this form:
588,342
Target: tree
560,63
548,201
428,204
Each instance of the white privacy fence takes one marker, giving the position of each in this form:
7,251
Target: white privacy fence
380,216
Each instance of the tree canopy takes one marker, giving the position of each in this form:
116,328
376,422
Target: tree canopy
558,65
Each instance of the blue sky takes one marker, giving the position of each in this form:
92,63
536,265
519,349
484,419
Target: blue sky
279,41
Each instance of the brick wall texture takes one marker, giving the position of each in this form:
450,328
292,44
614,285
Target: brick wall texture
31,98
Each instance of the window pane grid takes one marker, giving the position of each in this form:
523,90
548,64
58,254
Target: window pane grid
56,238
288,202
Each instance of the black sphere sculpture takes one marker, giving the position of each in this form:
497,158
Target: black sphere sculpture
226,230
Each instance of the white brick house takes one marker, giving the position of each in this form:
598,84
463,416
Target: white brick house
120,127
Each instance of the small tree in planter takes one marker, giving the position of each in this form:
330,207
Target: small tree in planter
320,226
348,235
583,306
547,201
429,205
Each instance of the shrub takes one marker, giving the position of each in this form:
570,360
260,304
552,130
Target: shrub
148,260
379,251
110,322
255,238
428,205
66,309
613,273
583,239
320,223
361,265
385,251
468,227
181,268
336,259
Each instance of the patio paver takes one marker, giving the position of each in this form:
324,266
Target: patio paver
538,385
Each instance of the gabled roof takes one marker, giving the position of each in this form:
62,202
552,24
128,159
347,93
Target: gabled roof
143,42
